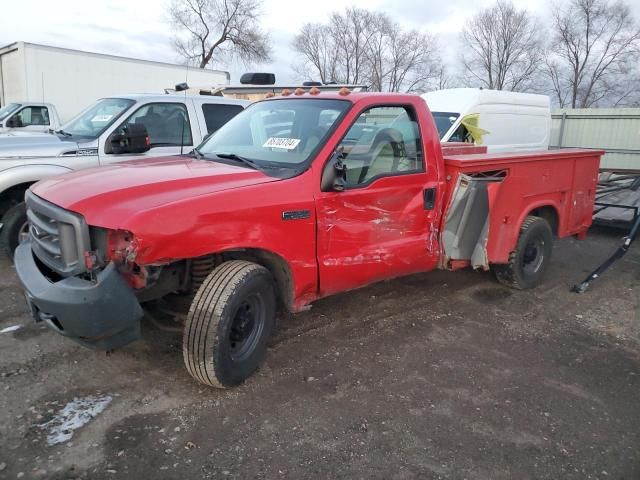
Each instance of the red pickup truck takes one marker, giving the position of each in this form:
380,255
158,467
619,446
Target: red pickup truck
298,197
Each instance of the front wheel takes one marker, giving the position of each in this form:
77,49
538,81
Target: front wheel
15,228
528,262
229,324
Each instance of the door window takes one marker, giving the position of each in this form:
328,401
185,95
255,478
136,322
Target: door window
167,123
216,115
383,141
33,116
444,121
461,135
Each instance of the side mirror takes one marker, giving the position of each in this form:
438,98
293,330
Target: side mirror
14,122
132,138
334,176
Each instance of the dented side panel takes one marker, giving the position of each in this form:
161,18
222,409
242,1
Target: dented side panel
255,217
377,232
381,230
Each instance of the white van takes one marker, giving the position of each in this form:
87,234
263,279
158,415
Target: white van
503,121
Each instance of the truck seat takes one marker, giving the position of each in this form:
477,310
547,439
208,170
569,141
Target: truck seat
173,128
155,125
386,151
314,137
36,117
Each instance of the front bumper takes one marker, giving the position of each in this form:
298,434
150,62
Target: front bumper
101,314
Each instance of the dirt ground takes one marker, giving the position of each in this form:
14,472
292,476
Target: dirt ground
439,375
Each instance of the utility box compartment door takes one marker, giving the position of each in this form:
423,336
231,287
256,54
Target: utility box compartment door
583,193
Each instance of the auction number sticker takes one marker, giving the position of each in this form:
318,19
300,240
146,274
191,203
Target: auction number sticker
286,143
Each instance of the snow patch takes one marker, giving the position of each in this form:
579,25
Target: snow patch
74,415
12,328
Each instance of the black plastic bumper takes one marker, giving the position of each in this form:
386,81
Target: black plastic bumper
100,314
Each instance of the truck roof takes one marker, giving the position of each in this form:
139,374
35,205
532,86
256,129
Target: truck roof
352,97
28,102
169,96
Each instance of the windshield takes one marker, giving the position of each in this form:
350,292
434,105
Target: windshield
279,133
8,109
444,120
97,118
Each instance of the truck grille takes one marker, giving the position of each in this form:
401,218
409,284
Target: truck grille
59,237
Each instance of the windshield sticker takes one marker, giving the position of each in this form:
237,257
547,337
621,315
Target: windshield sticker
101,118
286,143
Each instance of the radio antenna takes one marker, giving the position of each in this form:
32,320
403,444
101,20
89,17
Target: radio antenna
186,110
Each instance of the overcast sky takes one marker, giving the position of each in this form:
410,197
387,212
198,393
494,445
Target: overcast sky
139,28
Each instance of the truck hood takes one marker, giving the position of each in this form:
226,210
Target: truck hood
42,145
122,190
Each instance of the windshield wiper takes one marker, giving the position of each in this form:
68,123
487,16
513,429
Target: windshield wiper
238,158
195,153
62,132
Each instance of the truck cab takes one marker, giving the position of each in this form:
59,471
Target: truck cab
29,117
296,198
101,135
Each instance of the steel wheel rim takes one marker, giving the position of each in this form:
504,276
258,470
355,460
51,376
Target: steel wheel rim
246,327
533,256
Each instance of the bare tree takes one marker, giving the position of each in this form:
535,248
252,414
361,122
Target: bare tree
443,78
412,63
351,32
502,48
318,51
594,54
225,28
360,46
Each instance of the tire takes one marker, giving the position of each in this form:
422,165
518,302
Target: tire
528,262
229,324
14,222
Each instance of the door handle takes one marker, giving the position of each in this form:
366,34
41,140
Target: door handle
429,198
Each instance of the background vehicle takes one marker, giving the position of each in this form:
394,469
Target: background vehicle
502,121
28,117
353,189
100,135
72,79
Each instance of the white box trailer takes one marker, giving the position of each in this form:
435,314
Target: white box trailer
73,79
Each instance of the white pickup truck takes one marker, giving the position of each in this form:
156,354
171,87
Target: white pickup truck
28,117
114,129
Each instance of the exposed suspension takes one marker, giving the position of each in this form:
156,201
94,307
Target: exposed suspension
201,267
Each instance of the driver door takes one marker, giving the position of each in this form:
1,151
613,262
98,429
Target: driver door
384,223
169,130
32,119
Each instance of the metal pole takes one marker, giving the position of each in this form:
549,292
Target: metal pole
561,139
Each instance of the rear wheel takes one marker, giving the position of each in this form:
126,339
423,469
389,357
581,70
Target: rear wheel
528,262
15,228
229,324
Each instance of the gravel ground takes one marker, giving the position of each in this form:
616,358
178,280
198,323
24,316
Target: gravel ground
438,375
